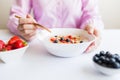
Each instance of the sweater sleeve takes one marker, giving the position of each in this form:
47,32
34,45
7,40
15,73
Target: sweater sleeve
91,14
20,8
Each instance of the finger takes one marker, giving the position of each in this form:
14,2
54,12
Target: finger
96,32
29,16
28,27
20,27
90,47
28,31
89,29
26,21
29,36
23,28
25,31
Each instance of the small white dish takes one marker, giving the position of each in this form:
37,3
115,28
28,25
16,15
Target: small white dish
106,70
13,55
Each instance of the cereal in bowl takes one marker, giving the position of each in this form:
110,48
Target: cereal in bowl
68,39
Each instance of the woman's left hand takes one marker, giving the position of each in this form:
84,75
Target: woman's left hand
93,31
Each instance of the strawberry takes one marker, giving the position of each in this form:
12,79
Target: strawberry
13,40
18,44
7,48
2,45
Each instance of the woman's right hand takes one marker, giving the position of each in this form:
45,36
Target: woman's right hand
26,28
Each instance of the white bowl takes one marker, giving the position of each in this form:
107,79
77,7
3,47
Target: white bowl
65,50
106,70
13,55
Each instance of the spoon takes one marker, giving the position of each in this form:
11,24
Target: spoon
36,24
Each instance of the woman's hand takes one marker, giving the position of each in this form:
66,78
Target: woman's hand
26,29
93,31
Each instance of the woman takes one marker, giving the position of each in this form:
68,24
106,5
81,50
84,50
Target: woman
55,13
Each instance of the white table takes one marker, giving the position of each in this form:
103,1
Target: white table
37,64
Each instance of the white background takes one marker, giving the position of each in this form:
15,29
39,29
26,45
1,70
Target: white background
109,10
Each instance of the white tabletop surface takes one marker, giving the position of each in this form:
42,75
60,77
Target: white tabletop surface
37,64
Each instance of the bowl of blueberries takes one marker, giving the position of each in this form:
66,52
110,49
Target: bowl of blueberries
107,63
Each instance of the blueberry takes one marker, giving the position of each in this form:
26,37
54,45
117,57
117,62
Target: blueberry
118,59
102,58
107,60
115,56
56,41
55,36
95,59
102,53
97,55
81,41
116,65
67,40
99,62
61,39
108,54
112,60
